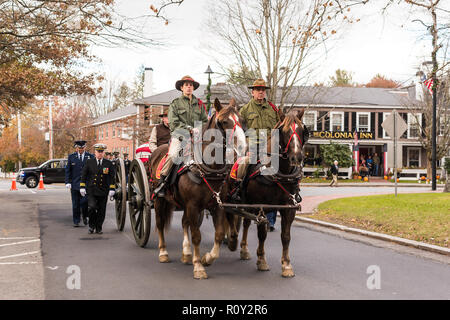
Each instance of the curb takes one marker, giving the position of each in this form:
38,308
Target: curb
370,185
380,236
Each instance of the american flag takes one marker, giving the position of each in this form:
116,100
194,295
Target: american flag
429,84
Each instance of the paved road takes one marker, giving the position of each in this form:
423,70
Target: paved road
327,265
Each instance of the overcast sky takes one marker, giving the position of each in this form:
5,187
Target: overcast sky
391,45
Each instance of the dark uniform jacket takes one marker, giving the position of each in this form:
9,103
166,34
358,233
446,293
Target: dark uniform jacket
98,180
334,169
127,166
74,167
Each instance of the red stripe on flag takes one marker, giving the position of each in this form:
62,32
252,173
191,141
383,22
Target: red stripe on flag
429,84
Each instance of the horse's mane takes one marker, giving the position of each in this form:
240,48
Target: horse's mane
288,121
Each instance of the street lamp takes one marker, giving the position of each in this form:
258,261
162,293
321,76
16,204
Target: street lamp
208,88
433,127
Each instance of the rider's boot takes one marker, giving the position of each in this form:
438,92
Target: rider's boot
160,190
236,195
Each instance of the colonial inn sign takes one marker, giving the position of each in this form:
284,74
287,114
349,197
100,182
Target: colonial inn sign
341,135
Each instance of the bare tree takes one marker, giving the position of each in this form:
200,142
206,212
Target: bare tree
422,117
277,39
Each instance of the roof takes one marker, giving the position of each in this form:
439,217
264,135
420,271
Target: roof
300,95
117,114
165,98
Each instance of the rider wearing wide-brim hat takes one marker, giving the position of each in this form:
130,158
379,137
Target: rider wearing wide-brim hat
184,112
259,114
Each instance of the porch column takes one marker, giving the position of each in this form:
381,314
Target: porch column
385,159
356,157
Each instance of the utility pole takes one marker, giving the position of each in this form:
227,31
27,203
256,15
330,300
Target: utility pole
434,34
50,126
19,136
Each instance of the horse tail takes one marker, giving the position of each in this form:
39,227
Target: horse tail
164,209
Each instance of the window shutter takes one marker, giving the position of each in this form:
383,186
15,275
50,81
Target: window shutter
319,121
380,121
353,121
372,121
346,127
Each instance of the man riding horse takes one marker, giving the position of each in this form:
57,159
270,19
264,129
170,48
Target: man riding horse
184,111
259,114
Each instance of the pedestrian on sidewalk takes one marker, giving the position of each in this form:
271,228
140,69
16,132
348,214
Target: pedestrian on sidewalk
334,172
97,178
376,163
75,163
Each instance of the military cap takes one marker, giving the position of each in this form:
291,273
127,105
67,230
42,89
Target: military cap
116,153
100,147
162,115
179,83
259,83
125,154
79,144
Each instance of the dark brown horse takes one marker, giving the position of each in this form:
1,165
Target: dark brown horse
198,188
278,189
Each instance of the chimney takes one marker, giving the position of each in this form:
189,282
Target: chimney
419,87
148,82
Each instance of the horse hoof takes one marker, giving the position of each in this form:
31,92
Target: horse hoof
288,273
164,258
232,244
200,275
262,266
186,259
245,255
206,260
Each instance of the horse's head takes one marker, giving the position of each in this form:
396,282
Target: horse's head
293,136
229,122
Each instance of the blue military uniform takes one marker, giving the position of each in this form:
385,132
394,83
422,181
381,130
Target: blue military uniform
75,164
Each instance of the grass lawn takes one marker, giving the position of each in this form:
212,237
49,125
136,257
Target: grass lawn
422,217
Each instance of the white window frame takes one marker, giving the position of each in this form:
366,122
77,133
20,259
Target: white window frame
412,117
315,119
385,115
420,155
368,119
331,119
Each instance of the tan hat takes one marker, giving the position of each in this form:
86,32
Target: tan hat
258,84
179,83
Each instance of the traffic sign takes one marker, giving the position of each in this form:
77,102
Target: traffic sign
400,126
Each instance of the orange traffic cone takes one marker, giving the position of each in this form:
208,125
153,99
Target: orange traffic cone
13,185
41,183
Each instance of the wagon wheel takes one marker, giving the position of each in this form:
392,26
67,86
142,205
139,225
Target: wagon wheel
139,202
121,195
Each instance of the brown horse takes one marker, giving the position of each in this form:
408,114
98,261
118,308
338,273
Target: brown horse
198,188
278,189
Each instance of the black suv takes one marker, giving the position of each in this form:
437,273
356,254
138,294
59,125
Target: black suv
52,171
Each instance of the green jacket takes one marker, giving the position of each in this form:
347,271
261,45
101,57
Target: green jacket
184,112
259,116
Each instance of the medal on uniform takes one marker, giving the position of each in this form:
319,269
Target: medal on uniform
105,170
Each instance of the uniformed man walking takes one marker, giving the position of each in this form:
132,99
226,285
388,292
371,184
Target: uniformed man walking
115,157
184,111
97,178
259,114
126,163
160,134
75,163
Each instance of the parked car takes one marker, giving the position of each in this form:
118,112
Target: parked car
53,171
